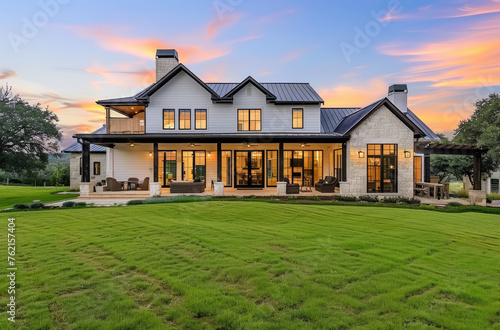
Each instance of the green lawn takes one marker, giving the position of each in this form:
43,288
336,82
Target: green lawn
255,265
10,195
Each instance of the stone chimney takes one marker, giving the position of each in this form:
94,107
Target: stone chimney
166,60
398,95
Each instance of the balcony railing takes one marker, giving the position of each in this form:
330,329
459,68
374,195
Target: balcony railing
134,125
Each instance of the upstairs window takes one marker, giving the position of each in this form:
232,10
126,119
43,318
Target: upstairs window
249,120
185,119
200,119
168,119
297,118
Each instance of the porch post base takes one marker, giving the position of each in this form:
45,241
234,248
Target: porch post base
86,188
154,189
281,188
477,197
345,188
218,188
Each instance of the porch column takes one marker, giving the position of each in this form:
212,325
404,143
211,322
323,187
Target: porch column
85,161
281,163
219,162
427,168
344,162
477,171
155,160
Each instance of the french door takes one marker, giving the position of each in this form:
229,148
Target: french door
249,169
167,167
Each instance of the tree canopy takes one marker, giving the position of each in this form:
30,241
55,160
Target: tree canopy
481,129
27,133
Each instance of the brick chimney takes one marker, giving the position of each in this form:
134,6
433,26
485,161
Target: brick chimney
398,95
166,60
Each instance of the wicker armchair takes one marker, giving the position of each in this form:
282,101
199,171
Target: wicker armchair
145,184
326,186
291,188
112,185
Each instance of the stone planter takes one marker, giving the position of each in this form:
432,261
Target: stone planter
99,189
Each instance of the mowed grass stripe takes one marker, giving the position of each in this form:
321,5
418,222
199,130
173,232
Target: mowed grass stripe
257,265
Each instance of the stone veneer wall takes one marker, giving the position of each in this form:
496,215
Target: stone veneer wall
74,167
382,127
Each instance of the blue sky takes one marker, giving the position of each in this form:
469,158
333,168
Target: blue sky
67,53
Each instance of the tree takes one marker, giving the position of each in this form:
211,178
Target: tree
481,129
27,134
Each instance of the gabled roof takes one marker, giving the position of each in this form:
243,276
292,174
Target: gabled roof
353,120
331,117
429,134
77,147
249,80
144,95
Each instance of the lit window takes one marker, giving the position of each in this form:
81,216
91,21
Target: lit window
297,118
382,162
185,119
168,119
249,120
200,119
97,168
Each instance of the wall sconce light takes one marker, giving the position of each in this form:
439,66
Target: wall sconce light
192,145
150,154
209,154
302,144
361,154
248,145
132,145
407,154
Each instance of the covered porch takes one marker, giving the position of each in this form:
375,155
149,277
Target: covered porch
242,164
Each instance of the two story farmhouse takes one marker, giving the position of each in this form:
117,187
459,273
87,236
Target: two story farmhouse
253,135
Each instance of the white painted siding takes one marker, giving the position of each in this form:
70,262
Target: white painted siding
182,92
132,162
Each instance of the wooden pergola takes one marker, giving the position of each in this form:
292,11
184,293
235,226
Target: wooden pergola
430,148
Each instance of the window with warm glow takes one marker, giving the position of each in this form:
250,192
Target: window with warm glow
297,118
382,164
200,117
185,119
417,168
168,119
249,120
97,168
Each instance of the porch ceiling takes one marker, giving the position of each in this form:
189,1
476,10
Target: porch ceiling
109,139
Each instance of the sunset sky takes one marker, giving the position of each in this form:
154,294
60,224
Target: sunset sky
68,53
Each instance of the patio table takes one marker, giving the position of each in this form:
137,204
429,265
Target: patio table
435,186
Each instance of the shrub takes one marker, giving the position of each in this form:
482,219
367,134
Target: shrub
315,198
36,205
252,196
292,198
98,184
345,198
81,204
454,204
21,206
134,202
390,200
414,200
462,194
15,181
404,200
368,198
68,204
493,196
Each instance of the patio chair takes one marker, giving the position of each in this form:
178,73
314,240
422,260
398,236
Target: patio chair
327,185
145,184
446,190
112,185
291,188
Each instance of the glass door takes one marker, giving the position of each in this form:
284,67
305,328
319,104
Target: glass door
249,167
272,168
226,168
194,165
167,167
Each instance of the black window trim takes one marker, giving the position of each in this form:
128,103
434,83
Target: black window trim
190,120
206,119
302,111
248,130
99,168
169,110
382,156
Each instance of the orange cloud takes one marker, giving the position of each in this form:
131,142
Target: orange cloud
122,74
217,24
355,95
5,74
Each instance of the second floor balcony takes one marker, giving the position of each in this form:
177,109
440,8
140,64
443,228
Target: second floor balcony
121,122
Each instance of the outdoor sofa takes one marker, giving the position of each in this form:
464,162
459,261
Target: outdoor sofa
189,187
327,185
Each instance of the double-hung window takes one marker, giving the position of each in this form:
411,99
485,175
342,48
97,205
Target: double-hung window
168,119
200,119
297,118
184,118
249,120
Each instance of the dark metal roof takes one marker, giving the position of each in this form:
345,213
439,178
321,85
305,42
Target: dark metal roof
352,120
249,80
167,53
77,147
129,100
331,117
285,92
110,139
429,134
